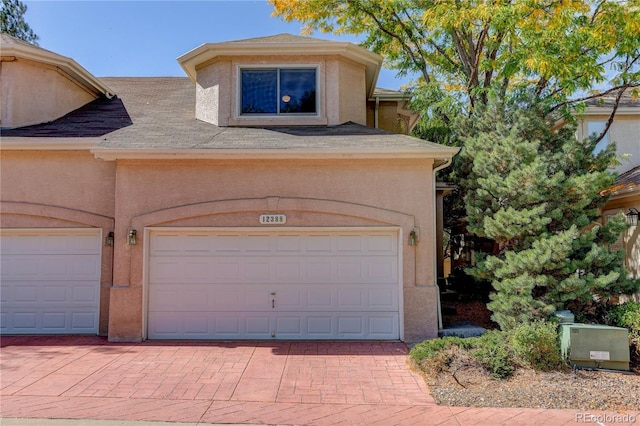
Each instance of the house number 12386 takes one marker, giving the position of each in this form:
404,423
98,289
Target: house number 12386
273,219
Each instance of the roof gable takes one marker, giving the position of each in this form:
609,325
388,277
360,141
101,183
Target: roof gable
284,44
13,47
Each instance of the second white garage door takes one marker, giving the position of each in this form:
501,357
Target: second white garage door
50,281
266,284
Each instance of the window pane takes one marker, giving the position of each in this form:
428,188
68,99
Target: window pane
297,91
259,92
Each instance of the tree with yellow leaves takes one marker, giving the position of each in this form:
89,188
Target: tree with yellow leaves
554,50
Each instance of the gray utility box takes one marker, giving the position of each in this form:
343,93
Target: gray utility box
595,346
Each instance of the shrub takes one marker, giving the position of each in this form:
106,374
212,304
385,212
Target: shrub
536,345
627,315
493,352
436,355
533,345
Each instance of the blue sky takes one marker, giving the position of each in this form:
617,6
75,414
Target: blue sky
144,38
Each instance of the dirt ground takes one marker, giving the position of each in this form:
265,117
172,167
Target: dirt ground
467,384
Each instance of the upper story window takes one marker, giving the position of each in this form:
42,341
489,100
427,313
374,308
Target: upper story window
278,91
595,128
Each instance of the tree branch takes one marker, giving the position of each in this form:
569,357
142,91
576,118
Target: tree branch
594,96
611,116
421,64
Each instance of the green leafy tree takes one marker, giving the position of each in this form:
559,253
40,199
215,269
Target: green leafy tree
13,23
554,52
535,193
552,49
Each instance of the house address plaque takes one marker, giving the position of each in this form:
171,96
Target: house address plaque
273,219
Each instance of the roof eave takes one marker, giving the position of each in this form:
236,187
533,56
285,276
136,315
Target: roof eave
110,154
607,110
208,51
68,65
623,192
13,143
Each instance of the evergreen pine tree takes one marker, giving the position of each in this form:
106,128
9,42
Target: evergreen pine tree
13,23
536,193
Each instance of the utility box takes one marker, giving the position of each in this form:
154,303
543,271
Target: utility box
595,346
565,317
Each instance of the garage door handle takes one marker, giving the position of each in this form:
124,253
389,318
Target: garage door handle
273,300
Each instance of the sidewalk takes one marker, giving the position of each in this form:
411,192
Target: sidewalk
199,383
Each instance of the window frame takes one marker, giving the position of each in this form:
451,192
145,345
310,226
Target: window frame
277,67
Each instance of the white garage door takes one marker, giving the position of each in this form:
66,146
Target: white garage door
50,281
288,284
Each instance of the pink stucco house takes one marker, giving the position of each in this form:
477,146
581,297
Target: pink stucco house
269,195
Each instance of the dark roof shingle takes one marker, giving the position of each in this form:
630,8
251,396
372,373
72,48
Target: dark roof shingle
158,113
97,118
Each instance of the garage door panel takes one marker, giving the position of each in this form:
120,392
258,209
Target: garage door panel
62,267
50,242
85,292
293,284
354,325
202,325
193,297
319,244
260,297
55,294
382,326
23,321
53,320
222,243
49,321
294,269
86,321
35,293
257,271
50,281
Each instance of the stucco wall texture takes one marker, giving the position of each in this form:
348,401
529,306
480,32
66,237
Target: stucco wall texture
73,189
341,91
313,193
44,186
34,93
624,132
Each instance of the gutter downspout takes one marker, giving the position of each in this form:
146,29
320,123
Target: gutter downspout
447,162
376,112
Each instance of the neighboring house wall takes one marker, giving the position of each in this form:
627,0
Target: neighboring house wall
624,132
313,193
630,239
388,117
625,194
35,93
60,189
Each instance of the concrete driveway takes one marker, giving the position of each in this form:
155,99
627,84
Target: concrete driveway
319,383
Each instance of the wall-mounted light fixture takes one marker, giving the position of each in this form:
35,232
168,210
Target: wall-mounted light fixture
632,217
132,238
109,240
414,236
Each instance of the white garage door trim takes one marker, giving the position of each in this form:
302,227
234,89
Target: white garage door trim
50,280
394,315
